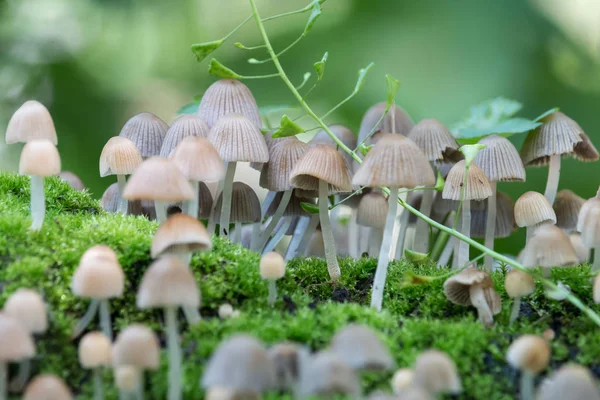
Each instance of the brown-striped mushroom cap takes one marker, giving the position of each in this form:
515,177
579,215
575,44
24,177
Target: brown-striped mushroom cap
137,346
590,228
47,387
369,122
518,284
236,138
532,208
372,210
505,216
360,348
188,125
477,188
111,198
147,131
180,233
275,175
228,96
566,207
72,179
341,132
585,150
500,160
293,209
158,179
529,353
198,160
394,161
31,121
435,372
245,205
436,141
325,163
119,156
327,374
549,247
39,158
98,275
17,343
28,307
571,381
94,350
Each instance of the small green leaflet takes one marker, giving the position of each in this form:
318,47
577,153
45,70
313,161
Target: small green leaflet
319,66
393,85
287,128
544,115
364,149
470,152
309,207
219,70
305,79
362,74
415,257
314,14
439,183
202,50
411,279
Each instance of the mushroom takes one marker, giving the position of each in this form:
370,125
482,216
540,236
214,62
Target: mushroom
236,139
99,276
360,348
47,387
227,96
500,162
111,199
293,212
94,353
533,210
128,379
435,372
396,120
225,311
548,247
566,207
371,213
518,284
596,289
169,284
323,168
73,180
39,159
290,361
583,253
180,235
571,381
187,125
341,132
472,287
529,354
244,207
466,183
16,345
589,226
272,268
119,157
31,121
327,374
147,131
402,380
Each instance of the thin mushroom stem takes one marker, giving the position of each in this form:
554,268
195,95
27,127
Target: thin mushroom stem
212,222
490,226
271,244
256,230
161,211
38,202
529,233
463,249
308,233
174,354
444,259
105,322
553,178
384,253
123,203
353,235
191,206
192,315
267,202
3,378
401,236
301,226
422,228
238,232
87,318
478,300
227,192
98,387
264,237
527,386
375,239
516,309
272,292
596,264
328,240
139,389
18,383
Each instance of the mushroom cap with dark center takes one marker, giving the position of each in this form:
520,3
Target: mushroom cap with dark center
435,140
571,381
360,348
98,275
137,346
28,307
566,207
198,160
245,205
187,125
325,163
111,198
436,372
457,287
477,188
228,96
40,158
47,387
328,374
180,233
372,210
31,121
147,131
500,160
505,217
518,283
529,353
119,156
237,139
533,208
369,122
17,343
549,246
283,156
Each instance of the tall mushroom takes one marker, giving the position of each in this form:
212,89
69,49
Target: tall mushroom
227,96
395,162
147,131
361,348
518,284
94,353
589,226
16,344
533,210
31,121
548,247
531,355
187,125
435,372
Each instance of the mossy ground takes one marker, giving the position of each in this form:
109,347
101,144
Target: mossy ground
311,309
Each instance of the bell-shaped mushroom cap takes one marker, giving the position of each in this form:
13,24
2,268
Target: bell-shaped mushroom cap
99,274
533,208
72,179
558,134
198,160
187,125
403,122
341,132
529,353
245,205
158,179
435,140
571,381
111,198
119,156
518,283
596,289
457,287
168,282
402,380
228,96
566,207
583,252
28,307
294,207
31,121
127,378
289,360
500,160
505,216
17,343
240,363
275,175
590,204
205,201
137,346
549,247
236,138
360,348
180,233
147,131
328,374
47,387
590,226
40,158
585,150
372,210
325,163
272,266
436,373
477,188
395,161
94,350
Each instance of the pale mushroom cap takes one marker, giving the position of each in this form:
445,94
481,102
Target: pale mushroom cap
225,311
328,374
500,160
529,353
119,156
236,139
369,121
72,179
31,121
436,372
198,160
596,289
583,252
395,161
372,210
360,348
566,207
290,360
402,380
549,247
325,163
47,387
435,140
158,179
99,251
456,288
188,125
40,158
477,188
99,275
569,382
518,283
245,205
180,233
272,266
94,350
112,197
505,216
28,307
533,208
275,175
228,96
17,343
590,204
137,346
127,378
147,131
168,282
590,232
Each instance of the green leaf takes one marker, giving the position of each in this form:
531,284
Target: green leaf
305,79
550,111
287,128
190,108
410,279
439,183
362,74
393,85
202,50
364,149
470,152
309,207
314,14
319,66
219,70
415,257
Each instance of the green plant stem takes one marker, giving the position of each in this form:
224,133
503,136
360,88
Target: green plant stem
287,14
266,60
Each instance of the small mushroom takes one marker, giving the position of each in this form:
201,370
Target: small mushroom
244,207
402,380
589,226
376,121
187,125
533,210
227,96
360,348
94,353
147,131
272,268
435,372
571,381
371,213
518,284
529,354
128,379
327,374
111,199
548,247
31,121
290,361
73,180
16,344
47,387
225,311
566,207
180,235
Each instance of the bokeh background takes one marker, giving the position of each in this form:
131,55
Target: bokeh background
95,63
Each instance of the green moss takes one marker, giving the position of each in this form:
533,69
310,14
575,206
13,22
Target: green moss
415,319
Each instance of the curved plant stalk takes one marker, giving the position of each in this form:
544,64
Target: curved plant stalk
328,240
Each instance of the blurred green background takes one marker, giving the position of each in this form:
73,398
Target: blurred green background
95,63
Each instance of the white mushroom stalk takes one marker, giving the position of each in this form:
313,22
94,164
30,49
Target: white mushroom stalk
280,232
87,318
272,292
174,351
477,295
422,228
98,385
463,248
490,225
105,322
328,239
123,203
515,310
553,178
191,206
227,193
38,202
299,232
264,237
161,211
